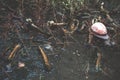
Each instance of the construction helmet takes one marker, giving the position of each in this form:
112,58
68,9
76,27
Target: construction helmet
99,30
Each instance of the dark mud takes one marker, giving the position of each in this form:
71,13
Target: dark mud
69,58
69,62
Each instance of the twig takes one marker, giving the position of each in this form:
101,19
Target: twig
45,58
12,54
52,23
29,21
98,60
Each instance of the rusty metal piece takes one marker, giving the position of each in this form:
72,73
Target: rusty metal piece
45,58
12,54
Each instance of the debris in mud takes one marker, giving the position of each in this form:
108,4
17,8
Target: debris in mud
21,64
50,25
49,47
8,68
45,58
12,54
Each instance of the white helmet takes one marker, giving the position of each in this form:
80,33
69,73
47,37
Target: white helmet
99,30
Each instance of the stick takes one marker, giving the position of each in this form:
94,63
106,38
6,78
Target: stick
59,24
45,58
12,54
98,60
36,27
52,23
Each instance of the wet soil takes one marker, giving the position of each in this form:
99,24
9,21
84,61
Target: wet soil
69,60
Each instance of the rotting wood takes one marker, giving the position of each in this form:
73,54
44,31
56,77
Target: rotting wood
12,54
45,58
